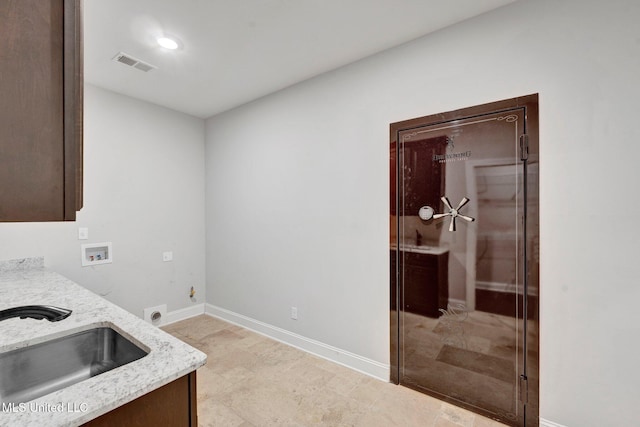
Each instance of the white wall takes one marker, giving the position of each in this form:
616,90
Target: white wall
297,191
144,192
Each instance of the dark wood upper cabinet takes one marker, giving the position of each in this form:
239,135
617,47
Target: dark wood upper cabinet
423,178
41,98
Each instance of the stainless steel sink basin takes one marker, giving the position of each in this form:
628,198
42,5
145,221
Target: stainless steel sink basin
31,372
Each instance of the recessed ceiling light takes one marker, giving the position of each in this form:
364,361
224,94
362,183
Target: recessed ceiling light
167,43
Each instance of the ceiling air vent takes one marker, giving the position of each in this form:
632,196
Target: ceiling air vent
126,59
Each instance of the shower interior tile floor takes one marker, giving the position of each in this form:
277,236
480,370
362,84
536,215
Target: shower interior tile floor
251,380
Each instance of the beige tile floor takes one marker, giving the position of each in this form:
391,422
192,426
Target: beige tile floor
251,380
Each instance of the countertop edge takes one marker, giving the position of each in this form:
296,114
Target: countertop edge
168,359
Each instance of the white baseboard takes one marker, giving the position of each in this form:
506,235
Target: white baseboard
350,360
361,364
547,423
457,302
184,313
358,363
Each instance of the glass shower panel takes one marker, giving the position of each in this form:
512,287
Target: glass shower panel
460,254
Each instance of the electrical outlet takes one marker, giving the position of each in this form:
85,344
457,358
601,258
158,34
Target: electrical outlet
167,256
294,313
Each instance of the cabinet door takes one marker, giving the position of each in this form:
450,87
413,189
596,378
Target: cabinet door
171,405
40,110
422,178
425,286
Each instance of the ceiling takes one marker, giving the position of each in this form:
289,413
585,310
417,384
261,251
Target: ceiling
235,51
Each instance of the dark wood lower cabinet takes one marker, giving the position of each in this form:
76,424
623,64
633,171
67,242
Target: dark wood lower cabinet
426,284
171,405
424,281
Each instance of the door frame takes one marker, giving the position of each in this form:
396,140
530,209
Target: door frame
529,105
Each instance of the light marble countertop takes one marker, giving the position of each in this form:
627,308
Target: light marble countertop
27,282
